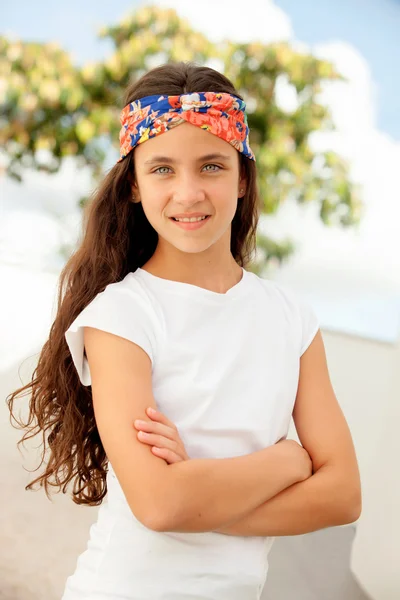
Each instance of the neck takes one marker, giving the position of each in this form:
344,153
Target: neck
216,276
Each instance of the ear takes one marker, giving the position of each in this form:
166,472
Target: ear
135,193
131,180
242,185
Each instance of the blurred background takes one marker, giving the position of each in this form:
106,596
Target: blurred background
323,102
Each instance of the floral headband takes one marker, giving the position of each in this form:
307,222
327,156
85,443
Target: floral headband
219,113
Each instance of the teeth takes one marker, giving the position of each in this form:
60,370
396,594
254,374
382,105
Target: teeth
191,220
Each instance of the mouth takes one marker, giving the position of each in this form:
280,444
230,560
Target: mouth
190,225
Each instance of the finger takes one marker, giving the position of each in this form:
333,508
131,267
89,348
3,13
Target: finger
168,455
157,440
158,416
157,428
164,444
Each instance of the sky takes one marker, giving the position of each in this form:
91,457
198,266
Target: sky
352,278
371,26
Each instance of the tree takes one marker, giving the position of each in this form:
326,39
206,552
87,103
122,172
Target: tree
49,103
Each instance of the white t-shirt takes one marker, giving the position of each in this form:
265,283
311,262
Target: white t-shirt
225,370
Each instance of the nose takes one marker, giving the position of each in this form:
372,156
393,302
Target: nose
188,191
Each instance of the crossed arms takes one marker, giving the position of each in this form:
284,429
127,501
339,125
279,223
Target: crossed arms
264,493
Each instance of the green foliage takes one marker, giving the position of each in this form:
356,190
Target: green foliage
50,104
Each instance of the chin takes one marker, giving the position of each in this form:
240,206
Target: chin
191,248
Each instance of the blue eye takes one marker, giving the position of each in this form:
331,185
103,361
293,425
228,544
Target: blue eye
164,173
213,166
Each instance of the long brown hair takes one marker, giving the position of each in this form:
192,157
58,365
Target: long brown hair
117,239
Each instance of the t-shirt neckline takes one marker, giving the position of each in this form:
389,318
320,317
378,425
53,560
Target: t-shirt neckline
190,289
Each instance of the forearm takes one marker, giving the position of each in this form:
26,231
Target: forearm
318,502
214,492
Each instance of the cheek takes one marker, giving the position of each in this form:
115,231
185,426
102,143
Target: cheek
225,201
154,206
225,190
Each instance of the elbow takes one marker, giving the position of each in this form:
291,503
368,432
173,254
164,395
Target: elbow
174,519
167,506
160,520
161,515
354,508
351,506
155,521
345,495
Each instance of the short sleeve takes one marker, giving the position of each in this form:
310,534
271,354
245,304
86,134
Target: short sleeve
123,312
300,317
309,325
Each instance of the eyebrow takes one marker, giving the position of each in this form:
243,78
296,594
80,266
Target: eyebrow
168,159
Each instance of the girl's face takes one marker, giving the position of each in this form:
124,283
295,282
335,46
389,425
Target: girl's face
184,171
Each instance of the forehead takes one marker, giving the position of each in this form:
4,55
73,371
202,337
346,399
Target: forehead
185,141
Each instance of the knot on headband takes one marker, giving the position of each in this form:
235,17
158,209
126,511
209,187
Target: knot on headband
219,113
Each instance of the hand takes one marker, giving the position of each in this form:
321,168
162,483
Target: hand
163,436
300,456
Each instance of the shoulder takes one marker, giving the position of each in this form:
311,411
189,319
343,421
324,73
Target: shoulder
131,286
282,295
296,310
124,299
124,309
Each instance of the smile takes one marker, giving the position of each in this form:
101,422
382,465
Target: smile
190,225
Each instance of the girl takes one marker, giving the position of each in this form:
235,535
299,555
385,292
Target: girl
157,311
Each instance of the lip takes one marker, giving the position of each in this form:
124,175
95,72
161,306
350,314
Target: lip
187,215
190,226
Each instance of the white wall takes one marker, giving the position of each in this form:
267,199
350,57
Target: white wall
366,378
